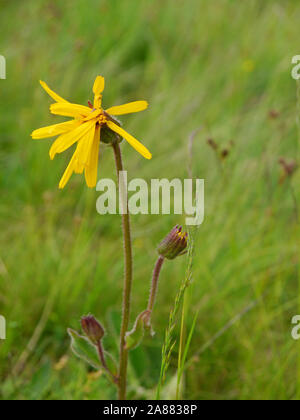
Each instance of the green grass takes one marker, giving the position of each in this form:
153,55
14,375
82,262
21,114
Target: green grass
219,66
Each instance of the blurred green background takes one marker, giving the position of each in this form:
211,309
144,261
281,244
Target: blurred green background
220,66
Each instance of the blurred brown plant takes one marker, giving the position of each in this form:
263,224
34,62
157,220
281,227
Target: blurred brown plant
222,153
273,114
289,167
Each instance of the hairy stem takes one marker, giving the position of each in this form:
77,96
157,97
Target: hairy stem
103,361
127,283
154,283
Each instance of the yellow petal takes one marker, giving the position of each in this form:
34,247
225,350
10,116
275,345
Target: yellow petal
65,141
98,87
70,110
139,147
93,114
85,146
54,130
136,106
97,101
78,167
91,170
68,172
50,92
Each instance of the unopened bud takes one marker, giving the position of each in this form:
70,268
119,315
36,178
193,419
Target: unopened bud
174,244
92,328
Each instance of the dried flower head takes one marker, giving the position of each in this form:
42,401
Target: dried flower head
92,328
174,244
84,130
212,143
224,153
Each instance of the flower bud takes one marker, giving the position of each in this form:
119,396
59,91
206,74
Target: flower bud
92,328
174,244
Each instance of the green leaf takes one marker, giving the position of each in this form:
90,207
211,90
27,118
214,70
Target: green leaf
135,336
187,346
84,349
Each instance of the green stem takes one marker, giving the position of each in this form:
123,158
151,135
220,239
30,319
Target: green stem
181,344
127,284
295,202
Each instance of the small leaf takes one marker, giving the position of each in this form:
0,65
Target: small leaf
135,336
83,349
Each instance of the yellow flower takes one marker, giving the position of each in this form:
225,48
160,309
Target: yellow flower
84,129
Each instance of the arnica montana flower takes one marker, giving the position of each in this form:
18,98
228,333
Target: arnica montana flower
84,129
